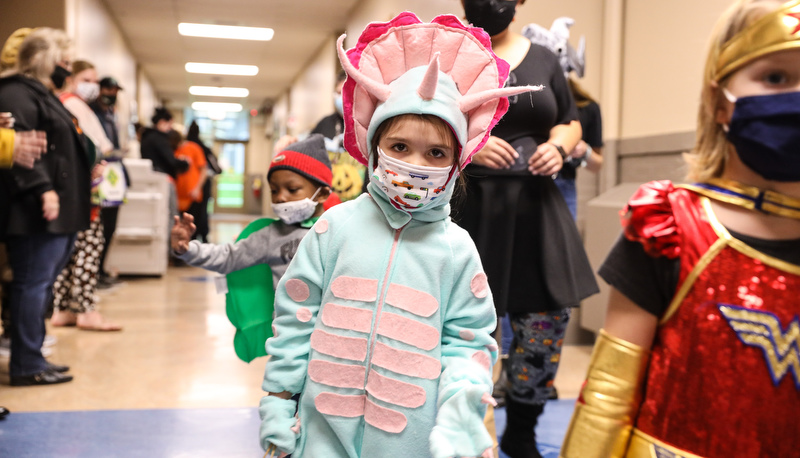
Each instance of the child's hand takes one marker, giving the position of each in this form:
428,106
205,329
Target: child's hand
182,233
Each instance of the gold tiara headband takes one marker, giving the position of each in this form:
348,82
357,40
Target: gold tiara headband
777,31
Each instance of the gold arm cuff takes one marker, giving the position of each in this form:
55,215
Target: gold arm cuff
6,148
645,446
601,425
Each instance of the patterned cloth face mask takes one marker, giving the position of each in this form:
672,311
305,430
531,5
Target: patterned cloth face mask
296,211
410,187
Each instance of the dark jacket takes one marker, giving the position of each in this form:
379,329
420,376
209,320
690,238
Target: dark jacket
66,168
156,147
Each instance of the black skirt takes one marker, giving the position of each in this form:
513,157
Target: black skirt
528,242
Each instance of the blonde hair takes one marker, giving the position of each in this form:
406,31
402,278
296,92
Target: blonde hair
40,52
81,65
710,153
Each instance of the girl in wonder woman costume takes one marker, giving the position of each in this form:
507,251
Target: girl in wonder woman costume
700,352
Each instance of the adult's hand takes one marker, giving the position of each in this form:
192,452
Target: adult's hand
97,170
29,147
6,120
496,154
283,142
50,205
546,160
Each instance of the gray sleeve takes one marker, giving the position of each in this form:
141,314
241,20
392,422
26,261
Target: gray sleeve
229,257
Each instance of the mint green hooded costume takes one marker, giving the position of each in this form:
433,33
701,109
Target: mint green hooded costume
384,316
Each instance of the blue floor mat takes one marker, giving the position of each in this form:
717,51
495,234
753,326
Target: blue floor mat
184,433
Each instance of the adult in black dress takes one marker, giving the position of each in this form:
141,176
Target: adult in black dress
525,234
42,208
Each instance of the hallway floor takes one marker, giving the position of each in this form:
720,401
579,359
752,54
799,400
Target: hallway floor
169,384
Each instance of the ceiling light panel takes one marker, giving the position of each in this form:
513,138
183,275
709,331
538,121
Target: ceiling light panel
221,69
215,106
225,31
213,91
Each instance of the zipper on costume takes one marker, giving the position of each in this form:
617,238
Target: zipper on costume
374,332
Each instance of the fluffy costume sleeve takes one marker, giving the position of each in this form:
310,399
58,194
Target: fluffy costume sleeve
297,303
468,354
648,219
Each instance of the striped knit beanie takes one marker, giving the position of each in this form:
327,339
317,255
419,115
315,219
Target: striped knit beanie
308,158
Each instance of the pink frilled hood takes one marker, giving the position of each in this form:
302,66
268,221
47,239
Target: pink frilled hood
443,68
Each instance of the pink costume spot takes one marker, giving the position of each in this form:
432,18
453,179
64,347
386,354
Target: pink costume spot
483,359
492,347
394,391
466,334
304,314
384,419
411,300
297,290
479,285
274,331
488,399
352,348
355,289
321,227
340,405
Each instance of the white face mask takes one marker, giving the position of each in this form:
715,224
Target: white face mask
410,187
87,91
296,211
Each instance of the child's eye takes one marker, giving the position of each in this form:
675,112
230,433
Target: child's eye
294,190
776,78
438,154
399,147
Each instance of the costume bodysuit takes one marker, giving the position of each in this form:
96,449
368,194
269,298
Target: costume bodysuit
724,375
382,319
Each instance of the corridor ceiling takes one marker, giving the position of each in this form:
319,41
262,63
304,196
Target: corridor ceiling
301,27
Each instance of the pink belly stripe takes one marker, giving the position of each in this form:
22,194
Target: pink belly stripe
411,300
355,289
342,317
394,391
384,419
335,374
340,405
406,362
408,331
353,348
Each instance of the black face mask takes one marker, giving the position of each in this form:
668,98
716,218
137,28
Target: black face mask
109,100
493,16
59,76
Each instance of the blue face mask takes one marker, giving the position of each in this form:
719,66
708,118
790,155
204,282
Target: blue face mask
765,130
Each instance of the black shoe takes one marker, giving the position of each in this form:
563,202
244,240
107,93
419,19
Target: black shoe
45,377
56,367
4,412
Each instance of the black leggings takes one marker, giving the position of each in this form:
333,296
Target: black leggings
108,216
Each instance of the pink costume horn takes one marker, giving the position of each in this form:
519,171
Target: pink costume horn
378,90
427,89
472,101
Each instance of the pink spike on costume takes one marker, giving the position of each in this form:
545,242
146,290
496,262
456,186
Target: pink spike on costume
378,90
473,101
427,89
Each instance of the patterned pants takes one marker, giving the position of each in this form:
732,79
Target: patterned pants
535,354
74,288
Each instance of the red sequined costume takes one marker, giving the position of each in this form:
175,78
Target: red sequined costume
724,374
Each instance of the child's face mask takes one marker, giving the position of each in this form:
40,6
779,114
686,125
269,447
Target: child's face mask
296,211
410,187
